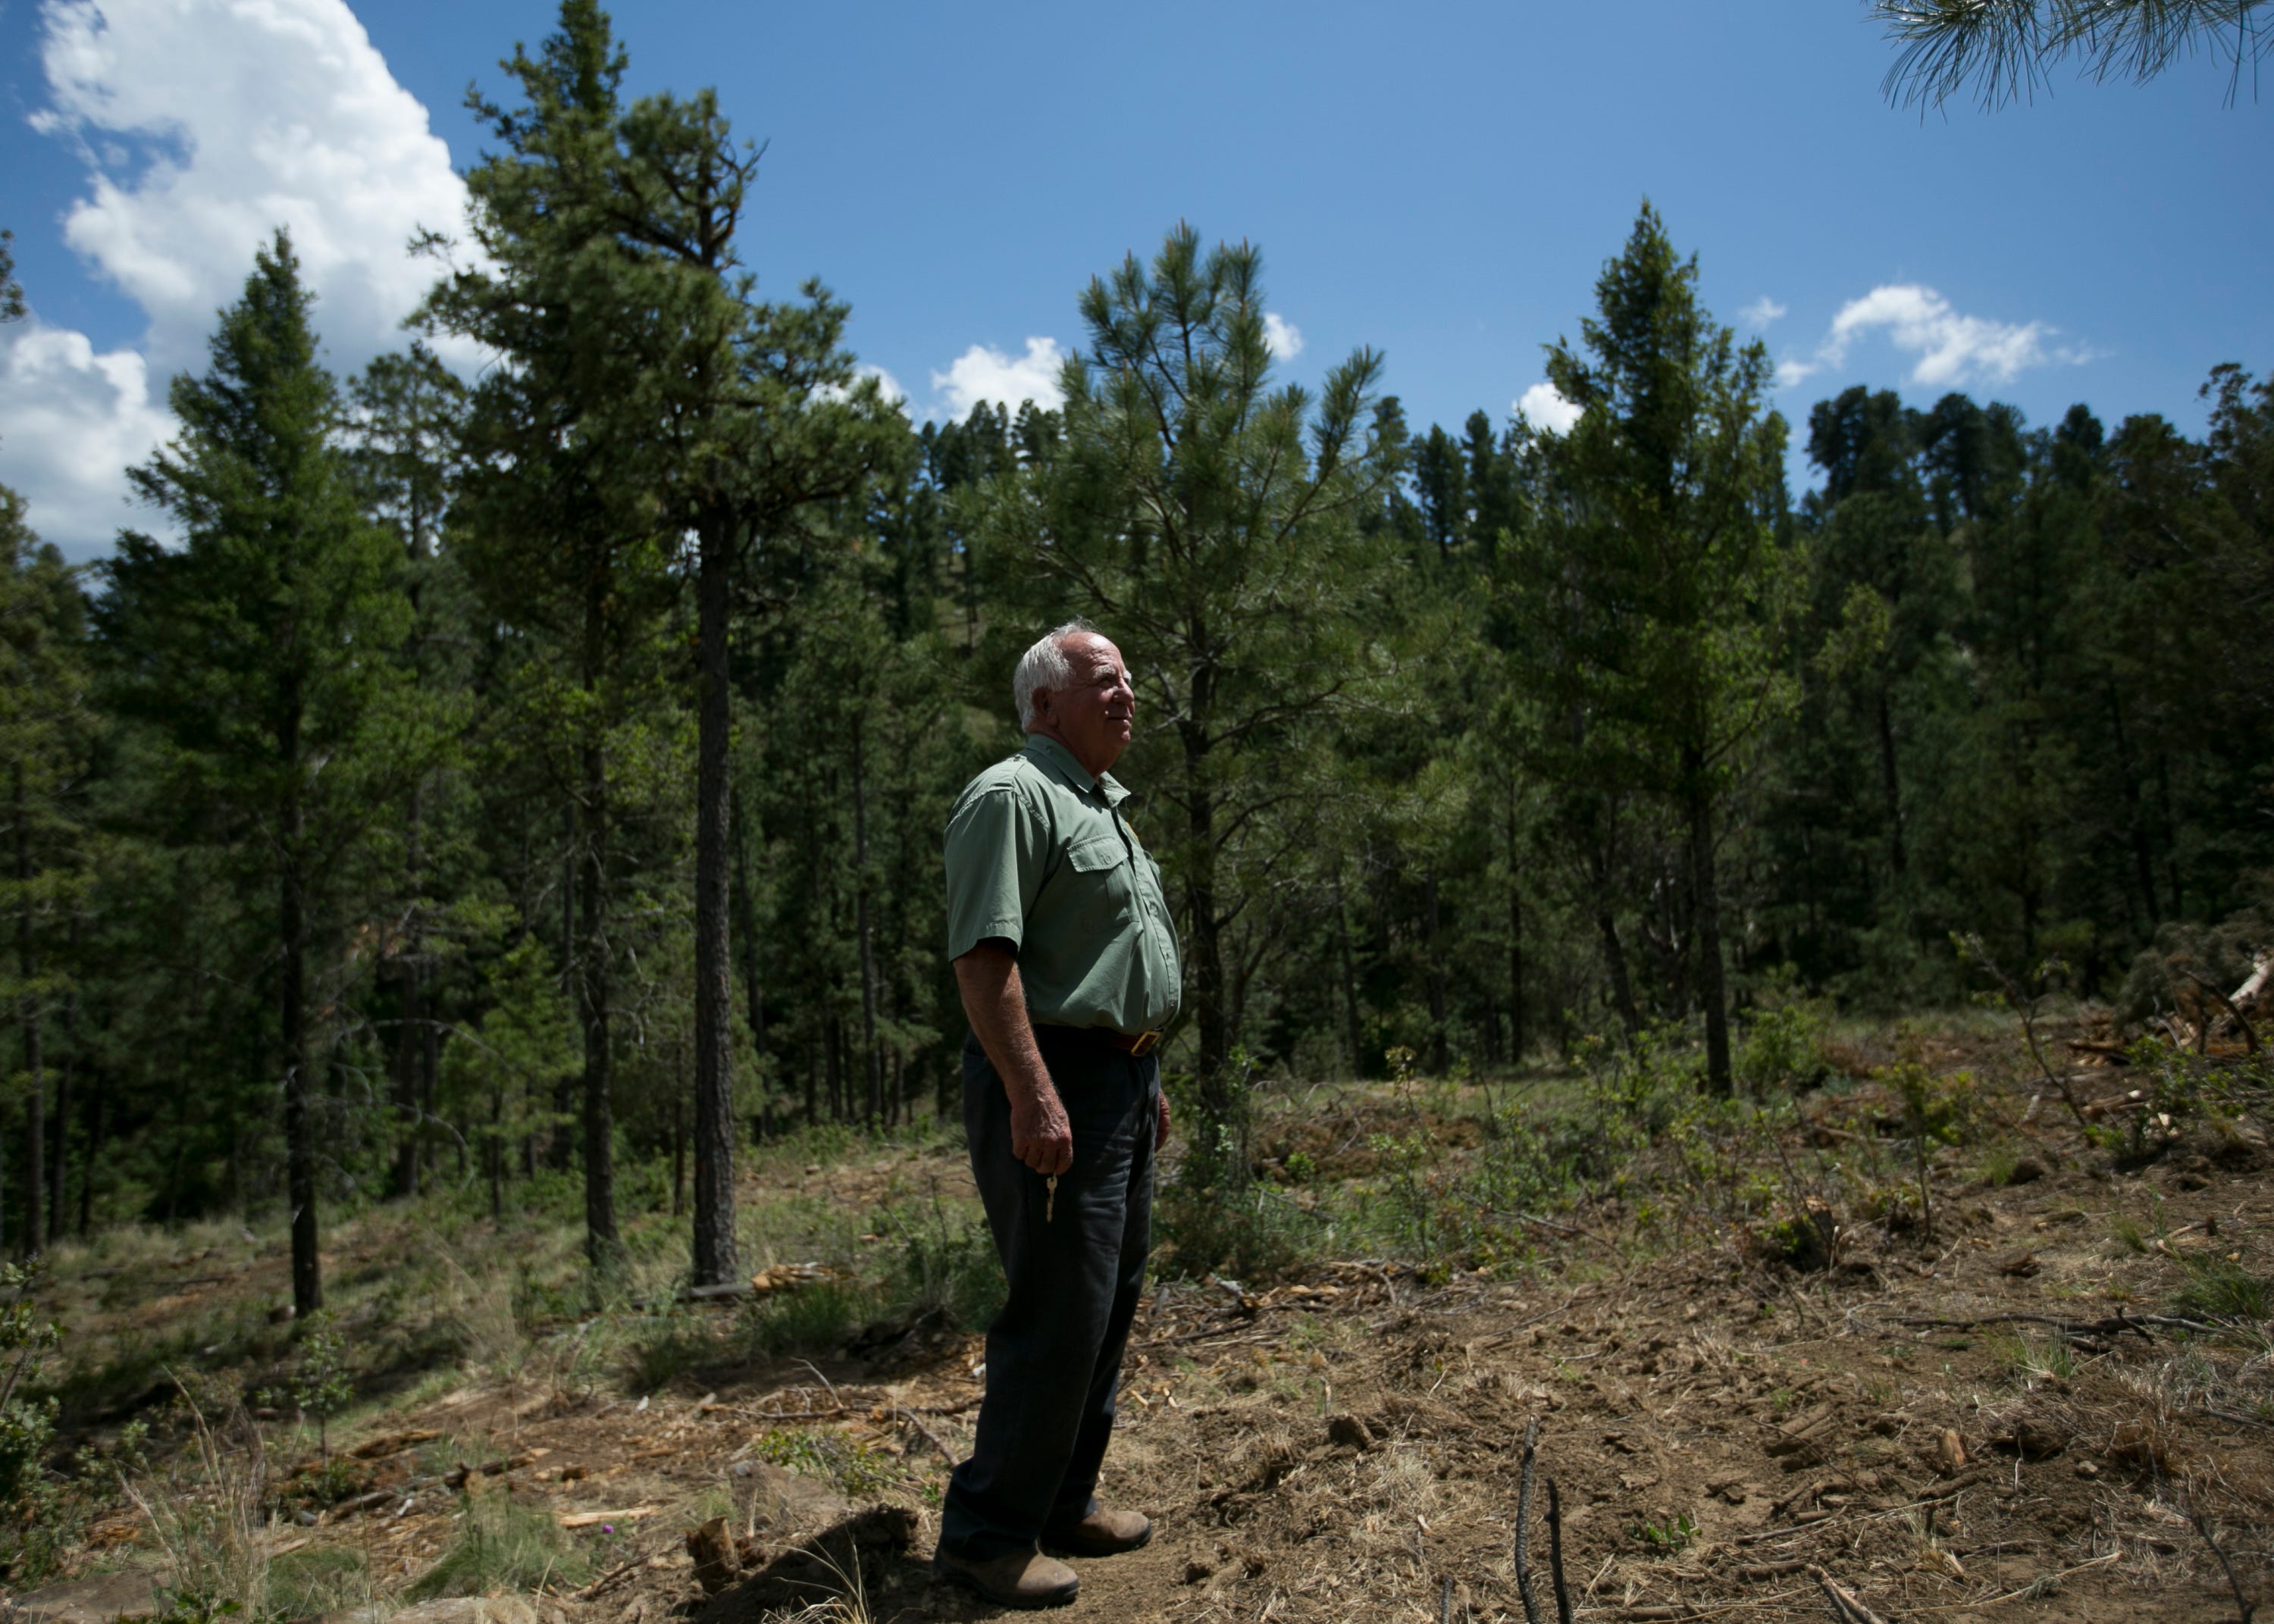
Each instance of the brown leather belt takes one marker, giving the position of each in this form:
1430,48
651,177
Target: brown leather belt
1139,1044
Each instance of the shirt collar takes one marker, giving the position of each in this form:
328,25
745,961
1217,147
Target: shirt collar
1048,752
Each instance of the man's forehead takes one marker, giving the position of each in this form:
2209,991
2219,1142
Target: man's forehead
1092,649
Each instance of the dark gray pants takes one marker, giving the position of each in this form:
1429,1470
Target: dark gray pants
1054,1353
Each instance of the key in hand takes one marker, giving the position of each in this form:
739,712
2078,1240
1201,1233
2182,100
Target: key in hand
1050,1197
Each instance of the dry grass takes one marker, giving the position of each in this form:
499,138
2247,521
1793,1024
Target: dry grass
208,1517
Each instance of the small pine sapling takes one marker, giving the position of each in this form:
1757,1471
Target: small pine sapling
318,1384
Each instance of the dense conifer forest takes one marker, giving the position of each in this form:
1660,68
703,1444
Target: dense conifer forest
533,780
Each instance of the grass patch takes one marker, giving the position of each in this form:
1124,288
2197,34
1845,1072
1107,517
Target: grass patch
815,1319
2028,1360
502,1546
317,1579
2220,1290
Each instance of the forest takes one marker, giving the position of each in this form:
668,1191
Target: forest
531,782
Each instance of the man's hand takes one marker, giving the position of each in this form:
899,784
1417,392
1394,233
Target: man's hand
1041,1136
987,977
1161,1134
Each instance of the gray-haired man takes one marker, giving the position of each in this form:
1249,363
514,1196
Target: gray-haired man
1067,962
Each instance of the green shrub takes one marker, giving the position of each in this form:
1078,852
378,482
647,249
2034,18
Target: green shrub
1251,1233
946,1261
1780,1050
1666,1539
858,1472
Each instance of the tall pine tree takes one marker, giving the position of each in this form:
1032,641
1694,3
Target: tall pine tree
260,657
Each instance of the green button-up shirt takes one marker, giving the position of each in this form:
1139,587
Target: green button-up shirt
1039,855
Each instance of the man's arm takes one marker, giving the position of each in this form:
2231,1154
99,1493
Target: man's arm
987,977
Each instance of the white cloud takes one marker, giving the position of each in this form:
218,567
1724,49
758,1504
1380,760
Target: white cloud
1761,311
72,421
893,394
886,381
1284,338
1544,408
985,373
1953,348
204,125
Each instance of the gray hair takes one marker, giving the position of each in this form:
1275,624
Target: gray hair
1044,665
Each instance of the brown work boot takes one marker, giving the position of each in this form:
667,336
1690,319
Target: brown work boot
1020,1579
1101,1533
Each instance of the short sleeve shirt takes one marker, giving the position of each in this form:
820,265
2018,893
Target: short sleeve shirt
1039,855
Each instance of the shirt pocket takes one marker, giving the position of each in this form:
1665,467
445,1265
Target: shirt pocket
1099,868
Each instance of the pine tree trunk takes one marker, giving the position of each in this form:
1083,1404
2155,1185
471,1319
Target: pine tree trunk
1515,976
746,919
869,1055
94,1126
1600,852
1221,1099
60,1166
405,1181
35,1096
1706,896
1892,788
2134,815
1434,948
600,1242
409,1045
497,1153
563,1148
715,1261
299,1121
1351,1036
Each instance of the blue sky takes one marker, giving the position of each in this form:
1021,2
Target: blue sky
1442,182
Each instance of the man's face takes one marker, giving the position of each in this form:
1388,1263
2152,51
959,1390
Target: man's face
1093,715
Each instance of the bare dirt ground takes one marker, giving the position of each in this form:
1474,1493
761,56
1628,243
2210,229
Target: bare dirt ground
2005,1418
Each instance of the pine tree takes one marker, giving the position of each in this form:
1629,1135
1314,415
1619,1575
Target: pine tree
558,530
407,422
1655,581
46,730
258,658
1216,529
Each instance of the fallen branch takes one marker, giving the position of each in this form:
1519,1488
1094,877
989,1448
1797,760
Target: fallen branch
2033,1589
1524,1522
926,1433
2202,1522
1846,1606
1816,1524
1555,1554
609,1579
838,1412
2251,1046
2113,1325
2025,1007
589,1519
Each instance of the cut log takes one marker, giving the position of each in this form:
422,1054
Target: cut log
2257,993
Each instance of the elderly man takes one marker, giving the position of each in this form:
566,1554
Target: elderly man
1067,962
